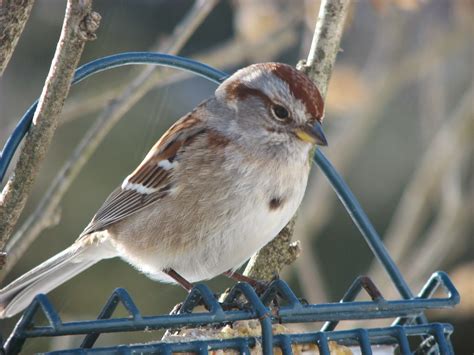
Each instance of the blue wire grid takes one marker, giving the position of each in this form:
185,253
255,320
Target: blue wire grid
242,303
407,311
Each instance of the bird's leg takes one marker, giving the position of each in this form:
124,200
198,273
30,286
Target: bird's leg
176,309
239,277
188,286
258,285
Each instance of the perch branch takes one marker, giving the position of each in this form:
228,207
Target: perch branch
13,16
323,52
79,25
49,204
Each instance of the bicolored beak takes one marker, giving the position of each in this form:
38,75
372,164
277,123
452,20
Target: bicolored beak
312,134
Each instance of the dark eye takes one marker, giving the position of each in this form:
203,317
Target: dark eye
280,112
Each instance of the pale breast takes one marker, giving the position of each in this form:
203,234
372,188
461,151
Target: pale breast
226,208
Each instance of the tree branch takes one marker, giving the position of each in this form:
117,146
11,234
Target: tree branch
327,37
325,44
79,26
13,17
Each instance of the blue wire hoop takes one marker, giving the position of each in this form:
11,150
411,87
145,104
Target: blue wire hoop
339,185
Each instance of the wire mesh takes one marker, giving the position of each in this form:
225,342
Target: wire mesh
243,303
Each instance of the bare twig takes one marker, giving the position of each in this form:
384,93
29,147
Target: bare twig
322,56
79,26
13,17
109,117
81,107
326,41
406,223
432,102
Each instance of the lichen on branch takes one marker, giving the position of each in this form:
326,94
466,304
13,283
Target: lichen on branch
13,17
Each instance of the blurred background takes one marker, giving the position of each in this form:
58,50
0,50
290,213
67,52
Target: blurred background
399,120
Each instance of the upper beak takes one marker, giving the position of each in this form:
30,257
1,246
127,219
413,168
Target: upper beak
313,134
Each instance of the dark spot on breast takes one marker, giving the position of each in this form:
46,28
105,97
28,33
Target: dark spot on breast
275,203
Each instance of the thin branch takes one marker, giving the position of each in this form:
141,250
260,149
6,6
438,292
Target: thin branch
79,26
13,16
326,42
432,101
323,52
45,211
81,107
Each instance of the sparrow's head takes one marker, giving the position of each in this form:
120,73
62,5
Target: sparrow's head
275,102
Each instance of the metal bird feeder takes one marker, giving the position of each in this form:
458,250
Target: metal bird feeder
408,312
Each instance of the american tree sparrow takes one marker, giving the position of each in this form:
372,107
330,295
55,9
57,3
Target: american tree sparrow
218,185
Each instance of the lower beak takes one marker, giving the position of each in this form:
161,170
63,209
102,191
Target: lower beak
312,134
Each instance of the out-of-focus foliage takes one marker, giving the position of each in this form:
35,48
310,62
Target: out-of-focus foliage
347,91
403,70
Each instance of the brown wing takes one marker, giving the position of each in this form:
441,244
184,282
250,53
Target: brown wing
151,180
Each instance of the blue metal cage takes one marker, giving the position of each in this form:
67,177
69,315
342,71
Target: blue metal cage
258,308
409,311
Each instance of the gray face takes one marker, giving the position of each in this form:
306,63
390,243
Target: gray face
272,103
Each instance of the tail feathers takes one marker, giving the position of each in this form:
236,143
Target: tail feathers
50,274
